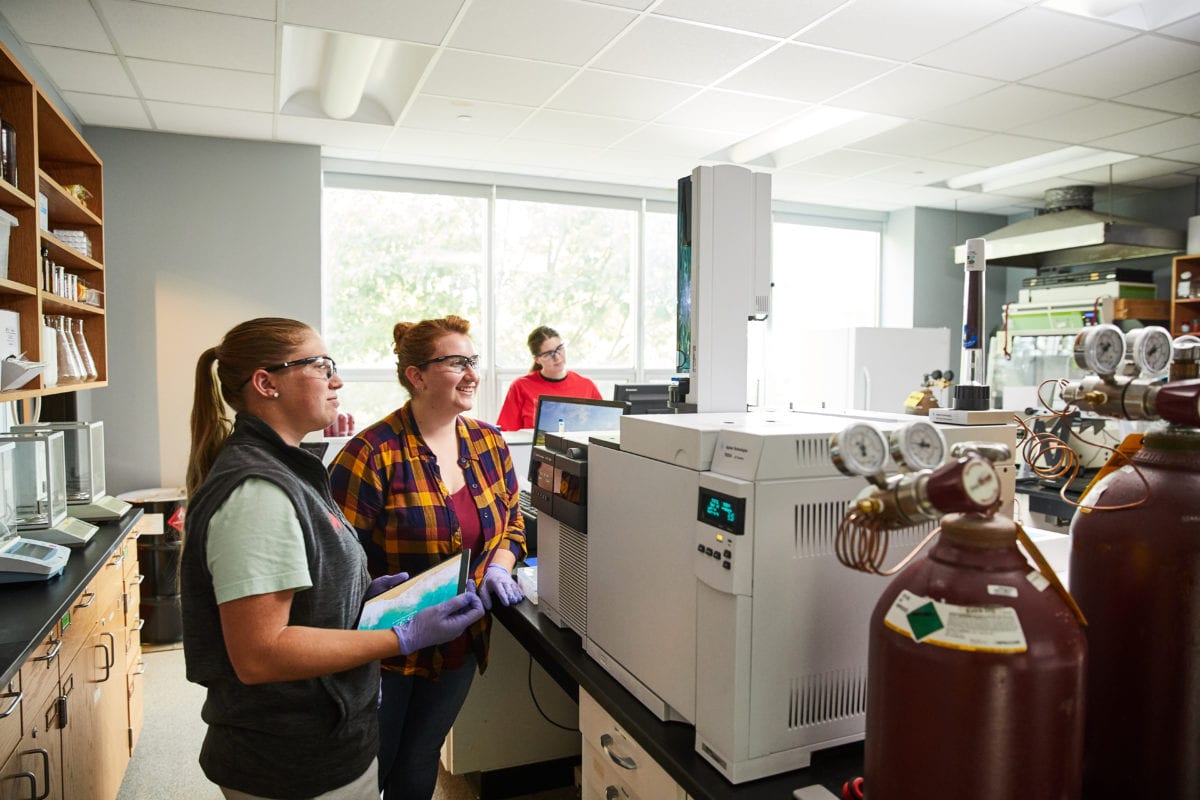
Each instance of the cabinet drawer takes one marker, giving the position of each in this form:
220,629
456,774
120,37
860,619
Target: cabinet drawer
128,549
40,670
136,693
12,702
636,773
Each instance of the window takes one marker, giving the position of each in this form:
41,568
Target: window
600,270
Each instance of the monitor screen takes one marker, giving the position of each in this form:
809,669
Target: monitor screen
576,414
644,398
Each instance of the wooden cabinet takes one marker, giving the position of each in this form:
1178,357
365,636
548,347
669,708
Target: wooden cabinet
614,764
51,159
74,719
1185,295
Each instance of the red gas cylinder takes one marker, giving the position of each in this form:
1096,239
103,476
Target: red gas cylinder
975,684
1135,573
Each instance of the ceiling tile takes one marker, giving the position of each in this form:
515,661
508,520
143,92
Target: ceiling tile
566,127
996,149
1008,107
1190,154
758,16
913,91
903,31
918,172
1181,95
845,163
633,5
1125,67
1031,41
1153,139
663,48
415,145
496,79
668,140
166,33
204,86
408,20
447,114
207,121
1138,169
111,112
914,139
614,95
1184,29
260,9
803,72
81,71
548,155
730,111
1091,122
545,30
62,23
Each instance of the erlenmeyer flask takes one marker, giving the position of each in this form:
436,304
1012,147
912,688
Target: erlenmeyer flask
85,353
70,368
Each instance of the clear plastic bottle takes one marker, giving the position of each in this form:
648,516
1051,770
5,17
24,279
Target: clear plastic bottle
70,367
85,353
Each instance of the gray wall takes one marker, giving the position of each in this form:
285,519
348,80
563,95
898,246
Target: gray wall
200,234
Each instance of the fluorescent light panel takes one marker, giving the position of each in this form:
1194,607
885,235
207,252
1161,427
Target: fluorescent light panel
805,126
1046,165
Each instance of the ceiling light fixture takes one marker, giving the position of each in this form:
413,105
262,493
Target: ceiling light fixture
1046,165
805,126
347,65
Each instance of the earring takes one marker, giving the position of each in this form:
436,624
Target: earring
275,395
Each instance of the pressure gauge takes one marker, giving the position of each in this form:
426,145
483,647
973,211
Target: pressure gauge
918,445
860,449
1149,349
1100,349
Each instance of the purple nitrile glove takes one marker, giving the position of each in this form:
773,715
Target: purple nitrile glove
441,623
383,583
498,585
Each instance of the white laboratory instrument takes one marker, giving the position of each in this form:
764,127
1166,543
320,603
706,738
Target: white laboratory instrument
41,494
762,644
22,560
559,472
87,496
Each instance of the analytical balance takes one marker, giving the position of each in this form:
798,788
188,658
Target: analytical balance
41,489
87,496
22,560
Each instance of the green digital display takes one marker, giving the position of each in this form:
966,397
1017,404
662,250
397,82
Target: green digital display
722,511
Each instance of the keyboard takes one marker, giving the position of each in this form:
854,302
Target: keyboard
526,503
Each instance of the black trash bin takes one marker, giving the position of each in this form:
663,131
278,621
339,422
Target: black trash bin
159,556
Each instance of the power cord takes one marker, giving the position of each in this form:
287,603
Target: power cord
538,705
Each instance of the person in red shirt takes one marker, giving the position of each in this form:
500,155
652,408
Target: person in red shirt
549,375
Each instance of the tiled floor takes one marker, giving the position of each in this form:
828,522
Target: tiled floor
164,763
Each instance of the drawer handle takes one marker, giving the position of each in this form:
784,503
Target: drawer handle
138,628
27,775
53,654
138,580
91,599
117,560
624,762
45,754
16,701
611,793
141,668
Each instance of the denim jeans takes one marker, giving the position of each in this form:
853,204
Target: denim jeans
414,718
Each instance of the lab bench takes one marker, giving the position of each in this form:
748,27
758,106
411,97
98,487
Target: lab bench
670,744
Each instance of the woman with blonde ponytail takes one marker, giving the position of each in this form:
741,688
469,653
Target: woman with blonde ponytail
274,579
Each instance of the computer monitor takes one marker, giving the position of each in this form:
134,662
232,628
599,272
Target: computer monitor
643,398
575,414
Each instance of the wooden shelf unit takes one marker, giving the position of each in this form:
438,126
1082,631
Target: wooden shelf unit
50,156
1185,309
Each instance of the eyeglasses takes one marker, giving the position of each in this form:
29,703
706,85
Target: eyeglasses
458,364
558,352
321,362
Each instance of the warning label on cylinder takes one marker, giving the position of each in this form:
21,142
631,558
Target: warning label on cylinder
989,629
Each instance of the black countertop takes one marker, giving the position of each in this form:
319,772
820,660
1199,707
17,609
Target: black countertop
29,610
671,744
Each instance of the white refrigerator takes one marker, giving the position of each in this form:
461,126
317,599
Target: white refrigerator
873,369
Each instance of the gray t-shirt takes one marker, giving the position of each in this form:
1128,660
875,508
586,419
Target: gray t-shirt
272,560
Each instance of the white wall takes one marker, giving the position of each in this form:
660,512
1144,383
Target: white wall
200,234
